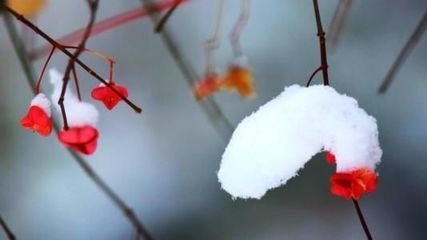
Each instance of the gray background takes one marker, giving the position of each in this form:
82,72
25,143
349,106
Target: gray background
164,162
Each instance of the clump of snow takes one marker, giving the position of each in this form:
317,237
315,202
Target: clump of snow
41,101
271,145
79,113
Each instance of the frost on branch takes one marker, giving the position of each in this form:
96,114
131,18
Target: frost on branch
271,145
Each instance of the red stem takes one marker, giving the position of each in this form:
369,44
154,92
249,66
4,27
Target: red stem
43,70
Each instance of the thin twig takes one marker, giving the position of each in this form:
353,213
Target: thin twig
404,54
312,76
337,23
99,182
39,80
362,219
7,231
70,55
209,105
166,17
322,43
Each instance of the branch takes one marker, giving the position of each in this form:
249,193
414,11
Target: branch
362,219
7,231
166,17
209,106
337,24
93,6
404,54
87,169
70,55
322,44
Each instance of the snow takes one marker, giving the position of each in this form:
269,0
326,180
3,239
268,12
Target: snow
271,145
79,113
41,101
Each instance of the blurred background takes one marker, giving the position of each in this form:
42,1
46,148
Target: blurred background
163,163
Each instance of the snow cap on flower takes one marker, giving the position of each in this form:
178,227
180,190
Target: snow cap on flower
37,118
79,113
271,145
41,101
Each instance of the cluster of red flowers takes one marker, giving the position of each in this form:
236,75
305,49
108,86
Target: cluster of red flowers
82,139
237,78
354,184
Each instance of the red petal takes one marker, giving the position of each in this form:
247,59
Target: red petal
330,158
353,185
38,121
107,96
206,86
82,139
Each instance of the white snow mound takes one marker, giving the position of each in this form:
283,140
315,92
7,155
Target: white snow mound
79,113
269,146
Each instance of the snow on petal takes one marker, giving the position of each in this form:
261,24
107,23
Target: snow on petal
271,145
41,101
79,113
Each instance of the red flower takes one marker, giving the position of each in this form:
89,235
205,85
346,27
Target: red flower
240,79
107,96
82,139
330,158
207,86
37,120
353,185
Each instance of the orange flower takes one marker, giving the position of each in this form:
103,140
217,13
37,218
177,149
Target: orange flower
330,158
206,86
353,185
240,79
81,139
107,96
37,120
26,7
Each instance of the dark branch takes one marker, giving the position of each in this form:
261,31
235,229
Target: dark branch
93,6
362,220
322,44
7,231
404,54
312,76
166,17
